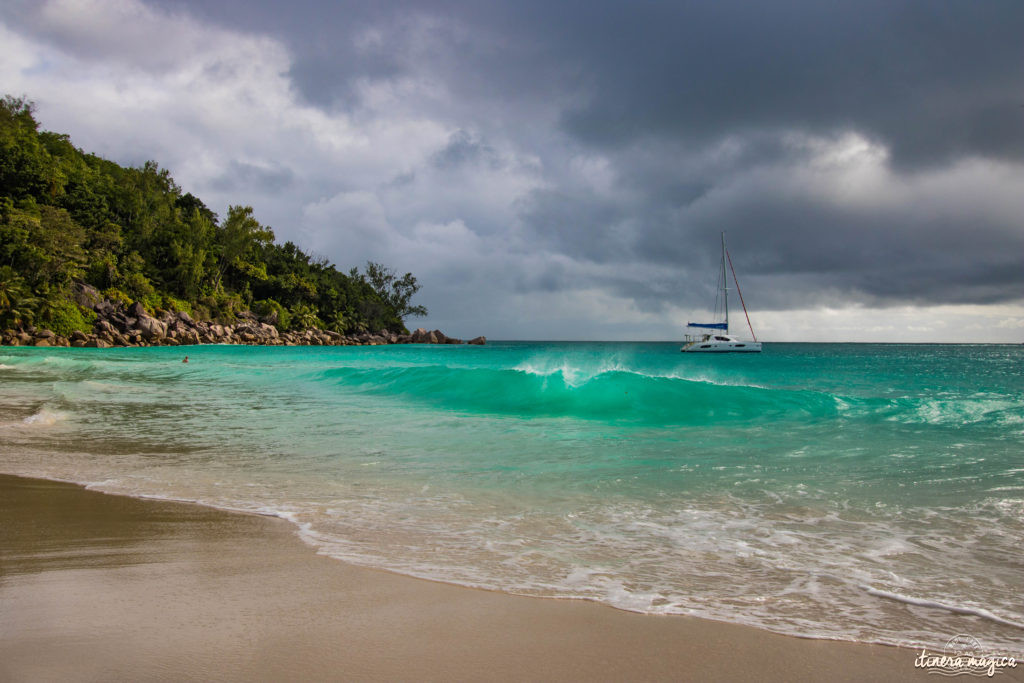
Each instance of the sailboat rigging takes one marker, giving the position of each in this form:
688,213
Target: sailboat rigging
718,340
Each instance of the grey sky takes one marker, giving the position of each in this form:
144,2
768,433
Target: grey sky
563,170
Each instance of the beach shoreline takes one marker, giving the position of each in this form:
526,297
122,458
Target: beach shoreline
94,585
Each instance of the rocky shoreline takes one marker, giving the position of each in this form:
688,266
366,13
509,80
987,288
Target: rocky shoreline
121,326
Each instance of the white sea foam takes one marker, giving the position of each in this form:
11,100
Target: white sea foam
572,375
578,375
960,411
933,604
713,381
44,417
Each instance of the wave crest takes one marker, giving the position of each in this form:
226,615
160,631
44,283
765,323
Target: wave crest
611,392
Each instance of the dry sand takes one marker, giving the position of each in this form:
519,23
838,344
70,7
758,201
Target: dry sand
100,587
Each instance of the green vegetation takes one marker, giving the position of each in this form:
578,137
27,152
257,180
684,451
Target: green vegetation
69,217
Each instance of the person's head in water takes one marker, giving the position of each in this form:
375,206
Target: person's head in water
185,360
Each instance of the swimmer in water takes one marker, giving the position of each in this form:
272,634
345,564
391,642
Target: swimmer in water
185,359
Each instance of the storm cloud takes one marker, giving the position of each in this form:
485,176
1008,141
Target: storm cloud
564,170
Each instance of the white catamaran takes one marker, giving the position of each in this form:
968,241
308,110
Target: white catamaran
717,339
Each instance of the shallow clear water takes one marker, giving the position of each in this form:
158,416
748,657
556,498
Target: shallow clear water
863,492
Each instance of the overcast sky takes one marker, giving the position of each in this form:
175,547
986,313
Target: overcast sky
563,170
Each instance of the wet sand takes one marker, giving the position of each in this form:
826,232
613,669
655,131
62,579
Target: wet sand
102,587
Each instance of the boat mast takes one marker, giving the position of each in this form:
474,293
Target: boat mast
725,286
740,292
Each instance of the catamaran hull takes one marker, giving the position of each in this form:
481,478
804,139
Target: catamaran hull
722,347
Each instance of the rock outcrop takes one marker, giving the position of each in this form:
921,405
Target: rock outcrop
118,325
85,295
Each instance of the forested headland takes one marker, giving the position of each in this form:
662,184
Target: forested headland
84,242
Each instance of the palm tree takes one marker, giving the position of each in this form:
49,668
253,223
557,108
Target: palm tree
337,322
10,286
17,306
304,317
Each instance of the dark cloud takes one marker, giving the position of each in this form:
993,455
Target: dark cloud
583,224
465,149
933,81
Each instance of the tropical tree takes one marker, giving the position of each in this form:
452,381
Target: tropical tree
337,322
396,292
26,169
304,316
17,306
239,237
11,287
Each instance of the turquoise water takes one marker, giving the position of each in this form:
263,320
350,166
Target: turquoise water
861,492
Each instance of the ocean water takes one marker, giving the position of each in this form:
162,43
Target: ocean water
862,492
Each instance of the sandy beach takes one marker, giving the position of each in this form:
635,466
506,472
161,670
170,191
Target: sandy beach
102,587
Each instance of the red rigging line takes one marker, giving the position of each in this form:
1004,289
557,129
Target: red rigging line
740,292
